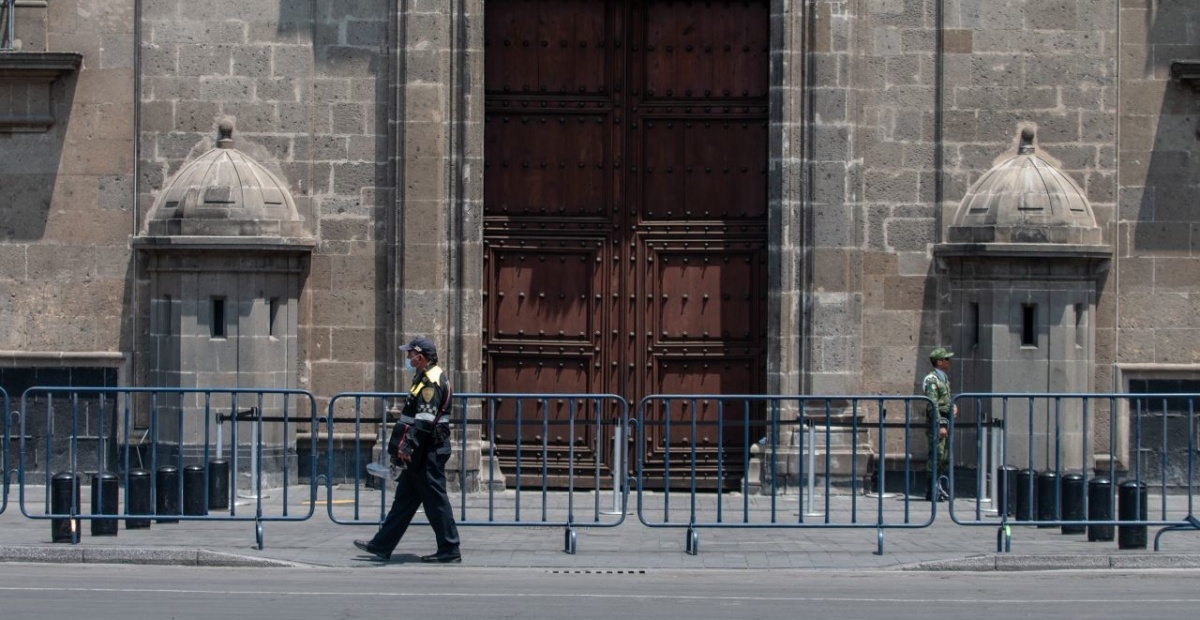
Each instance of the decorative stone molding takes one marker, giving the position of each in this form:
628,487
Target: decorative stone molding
226,197
1188,72
25,80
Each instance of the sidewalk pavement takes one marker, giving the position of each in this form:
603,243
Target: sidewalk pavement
629,546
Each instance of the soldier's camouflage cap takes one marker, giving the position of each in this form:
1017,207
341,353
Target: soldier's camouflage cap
940,353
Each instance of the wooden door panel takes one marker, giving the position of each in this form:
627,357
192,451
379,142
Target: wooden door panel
704,168
709,434
705,50
544,418
546,46
706,297
625,203
546,164
544,291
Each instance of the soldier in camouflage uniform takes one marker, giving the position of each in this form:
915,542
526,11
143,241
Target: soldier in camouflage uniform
936,387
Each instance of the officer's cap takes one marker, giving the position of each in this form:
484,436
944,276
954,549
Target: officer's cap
424,346
940,353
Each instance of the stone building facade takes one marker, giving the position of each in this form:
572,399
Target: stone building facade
881,114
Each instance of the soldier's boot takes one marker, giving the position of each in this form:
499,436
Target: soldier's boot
942,493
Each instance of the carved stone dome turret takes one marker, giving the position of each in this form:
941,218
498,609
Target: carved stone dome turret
1025,200
225,193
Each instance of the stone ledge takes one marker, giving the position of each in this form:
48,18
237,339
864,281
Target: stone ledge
1188,72
1024,250
27,77
218,242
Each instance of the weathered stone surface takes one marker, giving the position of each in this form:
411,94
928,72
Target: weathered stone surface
855,188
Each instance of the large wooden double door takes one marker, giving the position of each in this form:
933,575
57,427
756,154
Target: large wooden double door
625,205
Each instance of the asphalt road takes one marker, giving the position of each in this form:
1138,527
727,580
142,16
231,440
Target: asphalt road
103,592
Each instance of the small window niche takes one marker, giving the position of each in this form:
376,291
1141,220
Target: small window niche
273,326
1080,326
217,318
1029,325
975,327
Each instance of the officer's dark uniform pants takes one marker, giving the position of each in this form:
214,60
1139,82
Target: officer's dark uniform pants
421,483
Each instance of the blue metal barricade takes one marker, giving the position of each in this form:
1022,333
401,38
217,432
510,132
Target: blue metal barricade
5,472
734,457
1049,438
97,429
511,464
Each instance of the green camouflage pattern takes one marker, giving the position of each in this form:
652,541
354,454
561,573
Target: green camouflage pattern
937,388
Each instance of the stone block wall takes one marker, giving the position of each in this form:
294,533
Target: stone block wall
307,87
1147,326
1151,314
883,114
66,188
946,87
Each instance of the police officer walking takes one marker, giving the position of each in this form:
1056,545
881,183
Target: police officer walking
420,443
936,387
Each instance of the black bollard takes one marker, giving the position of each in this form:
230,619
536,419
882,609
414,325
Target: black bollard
218,484
1006,490
1072,503
1026,495
166,493
1132,498
104,502
137,499
1047,497
64,500
194,503
1100,508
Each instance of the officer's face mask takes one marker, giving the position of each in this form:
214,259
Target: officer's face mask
408,365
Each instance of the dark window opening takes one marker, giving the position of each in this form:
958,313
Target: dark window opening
217,328
273,317
1182,404
974,323
1029,325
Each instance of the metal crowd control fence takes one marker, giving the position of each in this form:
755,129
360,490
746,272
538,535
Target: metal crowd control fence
98,430
5,472
736,458
1040,463
562,452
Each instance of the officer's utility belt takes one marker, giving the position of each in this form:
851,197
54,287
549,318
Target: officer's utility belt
408,420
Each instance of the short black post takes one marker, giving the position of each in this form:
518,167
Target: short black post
1132,498
64,500
104,502
1006,490
1047,497
166,493
1072,503
1026,496
218,484
194,487
137,499
1100,508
